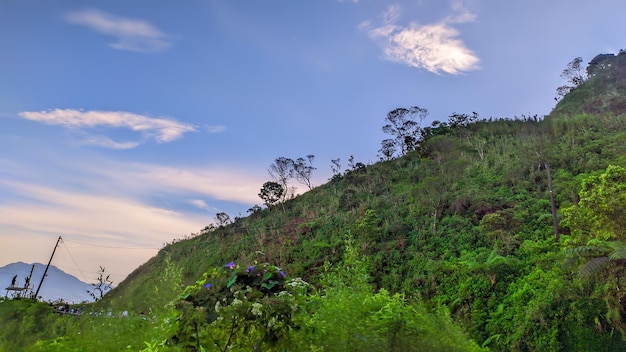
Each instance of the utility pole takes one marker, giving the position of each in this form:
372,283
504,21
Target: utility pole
557,236
47,266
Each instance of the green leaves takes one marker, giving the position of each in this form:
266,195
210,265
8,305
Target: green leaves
601,211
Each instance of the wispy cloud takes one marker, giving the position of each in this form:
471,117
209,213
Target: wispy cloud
435,47
161,129
98,200
199,203
216,129
105,142
226,184
103,219
132,34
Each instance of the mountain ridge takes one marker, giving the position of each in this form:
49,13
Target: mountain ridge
58,285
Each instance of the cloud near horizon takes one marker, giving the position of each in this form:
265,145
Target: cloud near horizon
161,129
132,34
434,47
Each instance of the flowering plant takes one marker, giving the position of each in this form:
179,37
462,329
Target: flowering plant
238,306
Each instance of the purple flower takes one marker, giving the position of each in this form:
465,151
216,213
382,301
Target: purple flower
207,286
230,265
250,268
282,273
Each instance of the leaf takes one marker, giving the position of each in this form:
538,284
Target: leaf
594,266
618,254
232,281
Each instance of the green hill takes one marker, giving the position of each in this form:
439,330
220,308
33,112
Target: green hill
604,90
430,223
462,222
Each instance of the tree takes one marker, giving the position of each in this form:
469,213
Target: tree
271,192
600,62
303,168
574,75
405,128
255,209
336,167
101,287
281,171
461,120
599,219
601,211
222,219
387,149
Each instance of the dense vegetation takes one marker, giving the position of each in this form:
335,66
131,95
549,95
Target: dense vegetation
454,232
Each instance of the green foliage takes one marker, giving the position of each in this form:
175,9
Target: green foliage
237,308
601,211
345,315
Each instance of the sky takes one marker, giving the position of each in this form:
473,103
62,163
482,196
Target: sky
127,124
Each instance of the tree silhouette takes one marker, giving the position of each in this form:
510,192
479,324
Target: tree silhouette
101,287
404,125
271,192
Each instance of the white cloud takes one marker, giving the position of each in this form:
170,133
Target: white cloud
199,203
391,14
461,13
216,129
161,129
105,142
132,34
434,47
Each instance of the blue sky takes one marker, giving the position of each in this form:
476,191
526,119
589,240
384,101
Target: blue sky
126,124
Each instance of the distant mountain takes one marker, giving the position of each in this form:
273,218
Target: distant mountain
58,285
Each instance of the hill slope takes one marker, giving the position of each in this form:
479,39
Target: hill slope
464,221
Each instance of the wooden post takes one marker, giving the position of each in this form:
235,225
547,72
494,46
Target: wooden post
47,266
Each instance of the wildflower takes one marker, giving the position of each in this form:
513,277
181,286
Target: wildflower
230,265
250,268
256,309
208,285
282,273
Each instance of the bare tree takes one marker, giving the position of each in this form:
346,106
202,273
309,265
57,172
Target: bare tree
281,171
101,287
336,167
303,169
574,74
222,219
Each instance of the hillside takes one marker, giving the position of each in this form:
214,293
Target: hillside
463,221
447,246
604,90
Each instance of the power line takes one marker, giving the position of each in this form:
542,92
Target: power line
70,254
116,247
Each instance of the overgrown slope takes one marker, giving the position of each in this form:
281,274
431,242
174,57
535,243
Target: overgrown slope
464,221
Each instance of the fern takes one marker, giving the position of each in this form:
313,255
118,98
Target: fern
594,266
